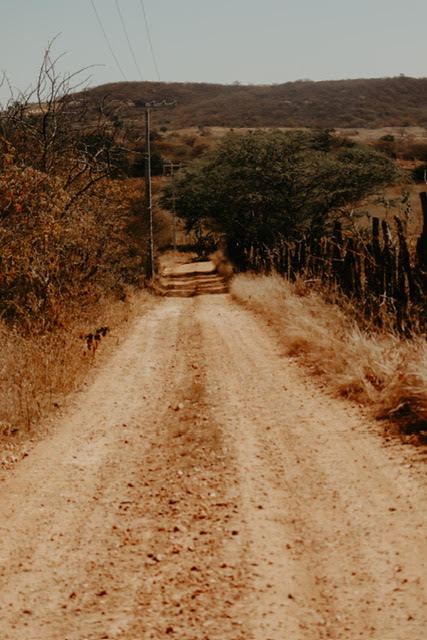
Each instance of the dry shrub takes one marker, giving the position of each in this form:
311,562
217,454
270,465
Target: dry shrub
54,252
378,369
38,371
72,243
222,264
65,269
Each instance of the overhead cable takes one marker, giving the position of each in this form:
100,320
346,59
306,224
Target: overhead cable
147,28
132,52
107,40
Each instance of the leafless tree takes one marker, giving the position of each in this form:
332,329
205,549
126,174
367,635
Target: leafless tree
58,129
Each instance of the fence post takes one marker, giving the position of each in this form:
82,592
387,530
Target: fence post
405,262
422,240
389,262
378,270
348,269
337,253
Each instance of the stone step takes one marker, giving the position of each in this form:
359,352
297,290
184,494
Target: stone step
190,274
191,282
189,293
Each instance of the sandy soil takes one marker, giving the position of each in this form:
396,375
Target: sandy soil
203,488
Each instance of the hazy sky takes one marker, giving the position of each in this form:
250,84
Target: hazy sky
272,41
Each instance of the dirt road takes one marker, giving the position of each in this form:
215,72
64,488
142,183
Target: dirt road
203,489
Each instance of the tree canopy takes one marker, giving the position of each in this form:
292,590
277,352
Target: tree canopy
259,186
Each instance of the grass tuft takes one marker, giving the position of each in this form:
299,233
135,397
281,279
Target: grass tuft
38,371
378,369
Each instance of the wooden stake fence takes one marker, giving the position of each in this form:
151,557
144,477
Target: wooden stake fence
379,275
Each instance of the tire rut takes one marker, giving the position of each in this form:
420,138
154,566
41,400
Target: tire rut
202,488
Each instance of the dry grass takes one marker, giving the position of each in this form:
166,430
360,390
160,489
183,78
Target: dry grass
378,369
38,371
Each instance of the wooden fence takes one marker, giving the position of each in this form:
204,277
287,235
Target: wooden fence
382,277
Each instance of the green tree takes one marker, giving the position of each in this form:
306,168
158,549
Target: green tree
260,186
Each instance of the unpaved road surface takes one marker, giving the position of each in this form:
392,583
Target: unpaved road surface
202,488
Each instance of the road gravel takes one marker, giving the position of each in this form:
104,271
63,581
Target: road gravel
203,487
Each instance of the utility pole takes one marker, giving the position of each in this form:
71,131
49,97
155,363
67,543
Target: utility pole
169,169
148,198
148,194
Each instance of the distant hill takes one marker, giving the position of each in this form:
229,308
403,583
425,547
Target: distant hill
372,103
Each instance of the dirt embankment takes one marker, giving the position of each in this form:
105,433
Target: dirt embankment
203,488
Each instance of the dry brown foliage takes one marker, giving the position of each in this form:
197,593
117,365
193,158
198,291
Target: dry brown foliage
38,371
64,274
72,242
379,369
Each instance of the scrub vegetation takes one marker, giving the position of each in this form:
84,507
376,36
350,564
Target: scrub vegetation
366,103
378,368
72,243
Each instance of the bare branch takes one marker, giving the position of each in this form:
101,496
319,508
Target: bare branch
56,131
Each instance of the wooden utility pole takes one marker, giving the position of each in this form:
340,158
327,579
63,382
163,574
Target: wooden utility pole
148,198
148,195
422,240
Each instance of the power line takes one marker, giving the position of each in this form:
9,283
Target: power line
148,194
132,52
107,40
147,28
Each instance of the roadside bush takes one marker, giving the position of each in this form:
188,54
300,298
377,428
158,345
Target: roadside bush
257,187
56,253
72,244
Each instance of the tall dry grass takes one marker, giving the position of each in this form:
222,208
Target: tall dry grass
37,371
381,370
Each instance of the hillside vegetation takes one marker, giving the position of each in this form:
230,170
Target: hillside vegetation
72,245
371,103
